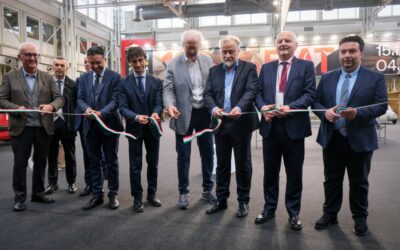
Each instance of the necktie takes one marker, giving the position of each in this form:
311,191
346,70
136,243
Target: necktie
344,97
140,86
59,85
96,86
282,83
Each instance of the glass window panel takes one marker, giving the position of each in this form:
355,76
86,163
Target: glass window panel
396,10
164,23
243,19
259,18
293,16
177,23
308,15
207,21
32,28
387,11
11,20
330,15
348,13
48,31
101,15
83,45
223,20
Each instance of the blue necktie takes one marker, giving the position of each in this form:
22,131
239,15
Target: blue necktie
344,97
140,86
59,85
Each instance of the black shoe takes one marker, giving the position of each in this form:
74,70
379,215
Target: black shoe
114,203
295,222
153,201
41,199
94,202
72,188
219,206
242,210
51,188
19,206
138,206
86,192
360,226
264,217
325,221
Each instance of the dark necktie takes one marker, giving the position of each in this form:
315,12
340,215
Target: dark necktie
96,86
140,86
344,97
282,83
59,85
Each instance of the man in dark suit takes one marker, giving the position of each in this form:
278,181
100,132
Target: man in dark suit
231,89
347,134
98,94
30,88
287,83
140,96
64,130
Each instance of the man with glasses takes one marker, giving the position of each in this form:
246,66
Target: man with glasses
30,88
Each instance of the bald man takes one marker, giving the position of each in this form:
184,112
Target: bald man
287,83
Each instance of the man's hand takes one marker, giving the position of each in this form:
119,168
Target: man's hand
235,113
282,112
349,113
173,112
155,116
21,107
142,119
268,116
331,115
218,113
89,111
46,108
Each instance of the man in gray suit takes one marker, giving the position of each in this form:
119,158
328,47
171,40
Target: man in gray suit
183,97
30,88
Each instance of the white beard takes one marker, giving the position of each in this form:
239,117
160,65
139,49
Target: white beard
228,63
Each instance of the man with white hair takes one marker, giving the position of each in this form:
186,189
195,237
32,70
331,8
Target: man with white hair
285,84
231,89
183,98
30,88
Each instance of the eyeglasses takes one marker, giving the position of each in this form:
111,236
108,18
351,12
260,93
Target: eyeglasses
29,55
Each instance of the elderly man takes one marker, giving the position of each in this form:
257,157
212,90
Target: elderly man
348,135
287,83
183,97
64,129
30,88
231,89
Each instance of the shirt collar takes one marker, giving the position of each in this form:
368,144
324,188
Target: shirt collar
27,74
235,65
352,74
62,80
187,59
101,74
288,61
137,75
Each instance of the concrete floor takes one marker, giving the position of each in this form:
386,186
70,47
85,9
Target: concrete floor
63,225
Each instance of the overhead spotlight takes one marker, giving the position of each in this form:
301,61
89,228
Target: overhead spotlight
370,35
317,38
268,40
174,46
333,37
275,3
388,34
253,42
147,46
300,38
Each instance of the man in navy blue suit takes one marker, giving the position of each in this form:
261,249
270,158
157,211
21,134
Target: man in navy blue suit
230,90
98,94
347,134
140,97
287,83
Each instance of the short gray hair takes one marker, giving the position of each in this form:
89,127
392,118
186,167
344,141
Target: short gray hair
229,38
21,46
192,33
291,33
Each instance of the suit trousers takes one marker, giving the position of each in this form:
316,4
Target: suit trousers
275,146
152,145
96,140
242,149
338,156
67,138
199,120
86,161
22,147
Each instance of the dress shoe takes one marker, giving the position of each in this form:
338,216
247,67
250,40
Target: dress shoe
325,221
183,201
242,210
264,217
19,206
72,188
219,206
41,199
86,191
94,202
295,222
114,203
208,196
51,188
138,206
360,226
153,201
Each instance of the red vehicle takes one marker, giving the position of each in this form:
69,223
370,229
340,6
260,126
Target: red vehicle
4,134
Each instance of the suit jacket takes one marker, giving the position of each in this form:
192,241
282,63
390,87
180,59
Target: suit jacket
177,89
244,92
369,88
13,93
70,98
299,94
78,119
107,101
131,103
